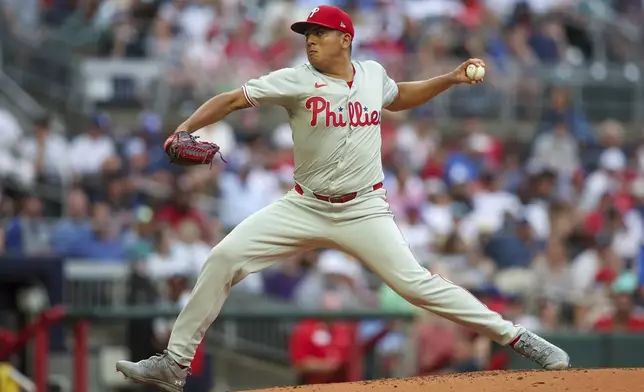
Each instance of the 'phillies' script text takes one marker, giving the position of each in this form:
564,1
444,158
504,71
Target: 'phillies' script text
357,113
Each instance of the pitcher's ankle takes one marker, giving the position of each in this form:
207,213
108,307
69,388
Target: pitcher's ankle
520,331
177,360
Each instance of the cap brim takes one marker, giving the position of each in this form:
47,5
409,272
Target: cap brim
302,27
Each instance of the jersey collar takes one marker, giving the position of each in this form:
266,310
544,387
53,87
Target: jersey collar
332,78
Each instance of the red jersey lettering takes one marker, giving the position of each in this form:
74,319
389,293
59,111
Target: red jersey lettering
316,105
359,115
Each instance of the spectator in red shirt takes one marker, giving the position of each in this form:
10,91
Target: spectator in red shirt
435,340
179,209
241,46
625,316
607,216
320,350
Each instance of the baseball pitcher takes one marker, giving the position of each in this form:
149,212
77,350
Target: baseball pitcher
334,106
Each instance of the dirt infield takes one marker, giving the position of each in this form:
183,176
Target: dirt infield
574,380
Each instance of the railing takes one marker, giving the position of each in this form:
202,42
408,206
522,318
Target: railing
121,80
89,283
38,331
82,318
261,339
589,350
24,105
251,315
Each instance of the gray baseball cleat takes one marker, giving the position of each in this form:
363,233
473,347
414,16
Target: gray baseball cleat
160,370
539,350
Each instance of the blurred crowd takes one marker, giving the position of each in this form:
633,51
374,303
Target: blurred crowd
203,30
548,232
219,43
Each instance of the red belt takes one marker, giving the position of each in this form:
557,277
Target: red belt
336,199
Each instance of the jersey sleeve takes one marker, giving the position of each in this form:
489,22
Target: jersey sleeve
389,89
276,88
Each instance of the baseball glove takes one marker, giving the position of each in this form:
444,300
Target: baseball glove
184,150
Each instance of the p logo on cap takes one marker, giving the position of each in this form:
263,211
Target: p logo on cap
326,16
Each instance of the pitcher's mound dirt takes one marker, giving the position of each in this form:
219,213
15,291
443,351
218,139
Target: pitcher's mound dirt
574,380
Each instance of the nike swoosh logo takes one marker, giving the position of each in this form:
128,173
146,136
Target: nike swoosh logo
318,85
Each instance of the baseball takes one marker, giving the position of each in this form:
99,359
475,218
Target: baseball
475,72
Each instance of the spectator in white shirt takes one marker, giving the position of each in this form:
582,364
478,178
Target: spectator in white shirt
282,136
165,261
586,265
558,150
92,150
13,167
417,141
338,277
628,236
49,151
517,312
275,14
437,213
245,192
536,211
612,163
187,19
417,234
190,248
404,190
491,203
221,133
419,10
553,275
464,266
10,130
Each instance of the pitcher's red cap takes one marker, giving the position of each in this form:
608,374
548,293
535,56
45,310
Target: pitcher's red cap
326,16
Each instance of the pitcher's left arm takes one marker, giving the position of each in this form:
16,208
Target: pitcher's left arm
413,94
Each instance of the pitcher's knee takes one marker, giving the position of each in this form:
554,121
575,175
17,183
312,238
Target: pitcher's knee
223,254
412,289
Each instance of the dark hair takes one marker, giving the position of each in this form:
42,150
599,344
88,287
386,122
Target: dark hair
157,236
41,120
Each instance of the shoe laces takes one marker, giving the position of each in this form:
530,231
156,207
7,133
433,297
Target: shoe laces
152,361
536,348
165,356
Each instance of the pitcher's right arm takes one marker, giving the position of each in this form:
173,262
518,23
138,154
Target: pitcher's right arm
215,110
280,88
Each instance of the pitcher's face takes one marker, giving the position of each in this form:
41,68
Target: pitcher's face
323,45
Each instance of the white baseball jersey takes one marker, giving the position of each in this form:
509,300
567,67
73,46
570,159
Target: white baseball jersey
336,128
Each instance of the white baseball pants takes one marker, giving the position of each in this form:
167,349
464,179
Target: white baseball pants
363,227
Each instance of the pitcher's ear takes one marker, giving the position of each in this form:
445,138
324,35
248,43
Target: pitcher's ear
347,41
